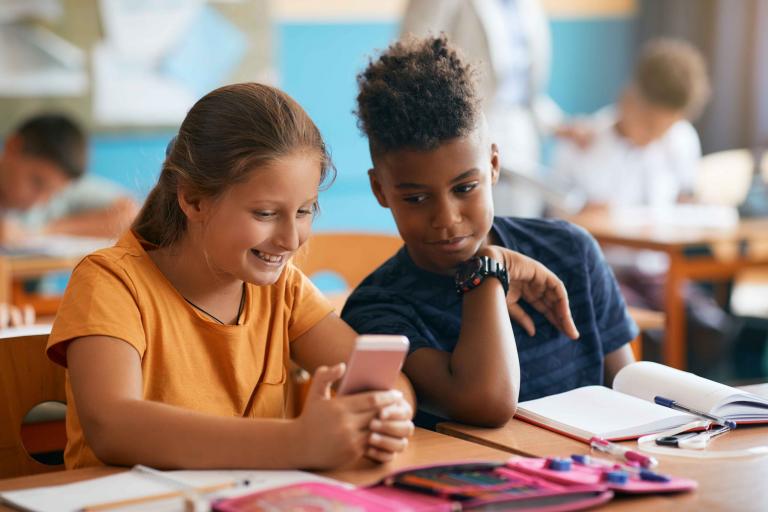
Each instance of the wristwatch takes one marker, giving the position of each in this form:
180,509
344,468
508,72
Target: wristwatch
473,271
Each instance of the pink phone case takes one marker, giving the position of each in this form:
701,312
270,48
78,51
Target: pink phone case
374,364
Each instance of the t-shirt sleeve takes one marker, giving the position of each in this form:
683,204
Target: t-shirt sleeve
100,300
369,312
614,324
307,305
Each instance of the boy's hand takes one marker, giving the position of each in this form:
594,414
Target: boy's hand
538,286
336,431
578,133
390,431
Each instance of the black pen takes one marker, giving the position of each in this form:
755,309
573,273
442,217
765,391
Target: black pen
666,402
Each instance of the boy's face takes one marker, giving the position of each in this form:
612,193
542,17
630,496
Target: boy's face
27,180
440,199
642,122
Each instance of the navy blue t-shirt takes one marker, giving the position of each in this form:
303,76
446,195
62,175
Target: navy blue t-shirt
401,298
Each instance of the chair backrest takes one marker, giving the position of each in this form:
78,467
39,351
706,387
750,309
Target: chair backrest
350,255
27,378
724,177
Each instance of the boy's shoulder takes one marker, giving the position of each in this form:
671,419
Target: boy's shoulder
527,235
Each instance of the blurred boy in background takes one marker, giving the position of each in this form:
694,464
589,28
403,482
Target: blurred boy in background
43,189
643,151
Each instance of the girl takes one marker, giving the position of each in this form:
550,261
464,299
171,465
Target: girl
177,338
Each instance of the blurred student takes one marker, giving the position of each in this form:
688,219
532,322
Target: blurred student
44,188
481,298
177,339
643,151
509,43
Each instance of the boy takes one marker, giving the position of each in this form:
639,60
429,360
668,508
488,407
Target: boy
643,152
434,166
42,188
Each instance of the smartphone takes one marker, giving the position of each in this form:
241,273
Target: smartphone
374,364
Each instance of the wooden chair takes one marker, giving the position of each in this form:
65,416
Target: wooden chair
723,177
352,256
27,378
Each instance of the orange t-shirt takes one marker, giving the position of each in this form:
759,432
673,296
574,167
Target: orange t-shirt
187,359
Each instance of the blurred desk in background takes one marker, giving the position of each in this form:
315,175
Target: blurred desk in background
730,249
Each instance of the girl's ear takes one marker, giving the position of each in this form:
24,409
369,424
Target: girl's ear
495,164
376,188
191,204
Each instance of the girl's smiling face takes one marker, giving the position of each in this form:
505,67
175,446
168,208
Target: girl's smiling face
250,232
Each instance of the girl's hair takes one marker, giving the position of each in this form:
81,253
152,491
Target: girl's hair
226,134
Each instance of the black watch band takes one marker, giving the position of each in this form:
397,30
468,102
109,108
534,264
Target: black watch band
474,271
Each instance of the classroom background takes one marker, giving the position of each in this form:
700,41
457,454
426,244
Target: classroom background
130,71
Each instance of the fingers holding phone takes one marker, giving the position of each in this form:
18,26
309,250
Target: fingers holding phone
336,431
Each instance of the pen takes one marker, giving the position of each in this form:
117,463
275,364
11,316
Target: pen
617,450
666,402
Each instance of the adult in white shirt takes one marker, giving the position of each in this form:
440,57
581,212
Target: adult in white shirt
509,43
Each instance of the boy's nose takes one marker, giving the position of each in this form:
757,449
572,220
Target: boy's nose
447,213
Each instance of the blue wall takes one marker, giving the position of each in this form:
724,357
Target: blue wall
317,65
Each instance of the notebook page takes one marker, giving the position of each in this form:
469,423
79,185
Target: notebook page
597,410
131,484
646,380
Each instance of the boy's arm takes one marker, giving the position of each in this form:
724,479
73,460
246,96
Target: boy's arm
615,361
108,222
477,383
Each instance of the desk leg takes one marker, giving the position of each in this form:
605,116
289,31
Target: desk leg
675,342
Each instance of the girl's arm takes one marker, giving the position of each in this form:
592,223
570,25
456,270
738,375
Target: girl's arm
331,341
123,428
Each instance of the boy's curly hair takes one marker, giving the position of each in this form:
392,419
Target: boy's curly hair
416,95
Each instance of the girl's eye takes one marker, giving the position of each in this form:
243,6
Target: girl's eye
415,199
263,214
466,187
305,211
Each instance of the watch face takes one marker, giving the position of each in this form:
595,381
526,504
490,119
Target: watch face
468,269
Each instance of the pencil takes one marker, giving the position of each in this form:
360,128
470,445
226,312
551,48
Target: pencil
184,492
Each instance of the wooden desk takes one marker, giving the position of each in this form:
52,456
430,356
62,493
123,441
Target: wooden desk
725,484
425,447
728,244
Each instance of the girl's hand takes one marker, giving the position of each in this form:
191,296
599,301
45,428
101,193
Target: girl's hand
335,431
538,286
390,431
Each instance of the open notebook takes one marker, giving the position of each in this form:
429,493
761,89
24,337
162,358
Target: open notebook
627,411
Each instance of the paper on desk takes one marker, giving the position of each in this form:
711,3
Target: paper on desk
131,484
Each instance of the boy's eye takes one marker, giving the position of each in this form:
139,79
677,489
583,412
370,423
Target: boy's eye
465,187
419,198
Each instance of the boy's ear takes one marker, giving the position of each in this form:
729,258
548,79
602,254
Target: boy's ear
14,145
376,188
495,164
